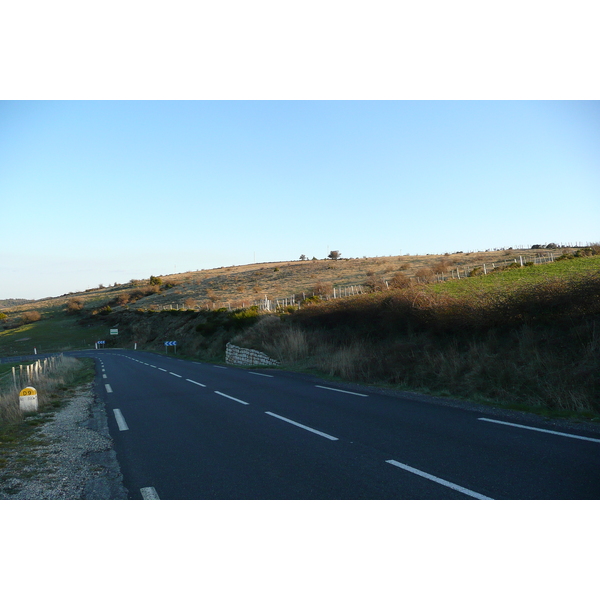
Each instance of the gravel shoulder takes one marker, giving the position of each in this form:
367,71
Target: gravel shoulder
71,457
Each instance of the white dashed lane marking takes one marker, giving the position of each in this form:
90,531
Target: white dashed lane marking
435,479
149,493
342,391
231,397
120,420
325,435
569,435
195,382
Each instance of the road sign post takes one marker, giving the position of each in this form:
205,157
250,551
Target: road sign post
28,400
167,344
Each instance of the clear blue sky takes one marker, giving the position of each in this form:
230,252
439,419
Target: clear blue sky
102,192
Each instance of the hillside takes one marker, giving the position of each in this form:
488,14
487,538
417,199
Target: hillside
13,302
245,285
522,336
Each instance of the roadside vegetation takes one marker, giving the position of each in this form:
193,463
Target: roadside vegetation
531,342
525,337
19,432
20,439
51,386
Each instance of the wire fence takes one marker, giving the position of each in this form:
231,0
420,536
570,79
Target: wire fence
271,305
485,268
296,301
26,374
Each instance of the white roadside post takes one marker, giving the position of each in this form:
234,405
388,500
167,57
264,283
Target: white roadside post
28,400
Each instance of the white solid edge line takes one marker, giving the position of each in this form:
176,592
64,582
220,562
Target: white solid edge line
120,420
108,388
577,437
325,435
261,374
231,397
170,373
449,484
195,382
323,387
149,493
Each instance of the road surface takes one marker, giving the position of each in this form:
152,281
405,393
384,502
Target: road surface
190,430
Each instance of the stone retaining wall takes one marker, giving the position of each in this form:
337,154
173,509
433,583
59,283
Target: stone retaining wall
234,355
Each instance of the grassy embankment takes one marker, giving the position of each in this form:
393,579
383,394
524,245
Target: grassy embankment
526,338
17,429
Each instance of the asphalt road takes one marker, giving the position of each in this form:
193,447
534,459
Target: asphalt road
188,430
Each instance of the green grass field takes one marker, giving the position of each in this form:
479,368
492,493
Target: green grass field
514,278
54,333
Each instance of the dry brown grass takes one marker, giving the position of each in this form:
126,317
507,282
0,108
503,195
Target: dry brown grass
245,284
46,386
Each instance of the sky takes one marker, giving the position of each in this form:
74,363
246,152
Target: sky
98,192
219,134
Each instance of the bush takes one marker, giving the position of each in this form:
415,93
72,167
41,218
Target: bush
425,273
442,266
399,281
122,299
155,280
322,289
141,292
375,284
30,316
73,306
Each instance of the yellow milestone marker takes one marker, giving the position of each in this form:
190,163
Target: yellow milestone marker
28,400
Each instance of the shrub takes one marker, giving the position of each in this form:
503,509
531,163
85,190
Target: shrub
30,316
73,306
322,289
425,273
122,299
141,292
375,284
442,266
155,280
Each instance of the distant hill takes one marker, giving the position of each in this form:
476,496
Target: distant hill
246,285
14,302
